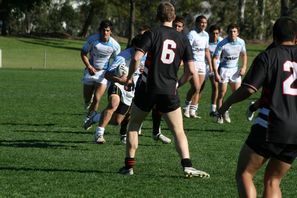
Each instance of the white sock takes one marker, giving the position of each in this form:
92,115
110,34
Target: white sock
193,108
213,108
100,131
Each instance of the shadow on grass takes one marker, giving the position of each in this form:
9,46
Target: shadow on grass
42,144
27,124
47,170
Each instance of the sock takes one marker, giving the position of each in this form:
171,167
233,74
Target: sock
193,108
156,116
100,131
187,102
213,108
96,117
129,162
186,163
124,126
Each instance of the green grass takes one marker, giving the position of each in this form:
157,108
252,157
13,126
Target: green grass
45,153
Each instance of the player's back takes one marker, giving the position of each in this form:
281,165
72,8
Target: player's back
165,49
281,88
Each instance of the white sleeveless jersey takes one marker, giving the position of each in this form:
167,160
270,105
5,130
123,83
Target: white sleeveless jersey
100,52
229,51
125,58
199,42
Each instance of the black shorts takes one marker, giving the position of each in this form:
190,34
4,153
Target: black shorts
122,108
163,102
257,141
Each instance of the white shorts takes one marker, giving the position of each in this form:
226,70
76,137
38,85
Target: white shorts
200,67
89,79
231,75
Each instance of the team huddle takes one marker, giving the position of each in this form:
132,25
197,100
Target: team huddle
143,78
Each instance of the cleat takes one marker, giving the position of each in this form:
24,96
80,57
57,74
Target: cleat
192,172
226,117
220,119
187,114
99,139
123,139
162,138
249,113
194,115
212,114
87,123
126,171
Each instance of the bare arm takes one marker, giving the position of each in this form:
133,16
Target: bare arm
111,77
244,62
208,58
135,62
240,94
86,61
189,73
214,68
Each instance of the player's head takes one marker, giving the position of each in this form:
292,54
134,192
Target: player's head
143,29
105,29
136,40
165,12
179,23
284,29
233,31
214,32
201,22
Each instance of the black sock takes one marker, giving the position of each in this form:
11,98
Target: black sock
129,162
186,163
156,116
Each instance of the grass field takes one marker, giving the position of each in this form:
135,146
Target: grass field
44,152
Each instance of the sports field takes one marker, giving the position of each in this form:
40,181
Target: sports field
44,152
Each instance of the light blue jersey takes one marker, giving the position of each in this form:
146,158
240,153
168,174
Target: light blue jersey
229,51
100,52
212,48
199,42
125,58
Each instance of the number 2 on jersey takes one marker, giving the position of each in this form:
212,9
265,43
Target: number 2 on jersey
168,54
287,89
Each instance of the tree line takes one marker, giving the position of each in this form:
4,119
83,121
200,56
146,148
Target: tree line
79,18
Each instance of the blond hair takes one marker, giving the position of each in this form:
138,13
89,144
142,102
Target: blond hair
165,12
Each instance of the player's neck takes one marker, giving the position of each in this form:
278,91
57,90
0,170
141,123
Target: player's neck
287,43
168,24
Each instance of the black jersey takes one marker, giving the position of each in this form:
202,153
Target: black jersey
276,70
165,48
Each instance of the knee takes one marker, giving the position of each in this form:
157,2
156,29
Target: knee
271,182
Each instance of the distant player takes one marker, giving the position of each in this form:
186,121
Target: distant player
165,48
95,54
119,100
199,39
228,51
273,137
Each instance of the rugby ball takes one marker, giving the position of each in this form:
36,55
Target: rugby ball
122,70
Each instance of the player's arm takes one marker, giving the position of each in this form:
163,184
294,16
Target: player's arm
208,58
85,60
215,68
135,62
244,62
240,94
189,72
109,75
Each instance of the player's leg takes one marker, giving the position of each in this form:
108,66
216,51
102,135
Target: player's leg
157,135
196,96
275,171
188,101
98,93
136,119
214,95
249,162
222,92
175,123
88,91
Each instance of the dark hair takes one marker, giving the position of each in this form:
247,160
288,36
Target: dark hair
284,29
233,26
144,28
213,28
179,19
105,24
136,40
199,18
165,12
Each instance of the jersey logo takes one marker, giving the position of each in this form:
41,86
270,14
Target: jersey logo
291,67
168,54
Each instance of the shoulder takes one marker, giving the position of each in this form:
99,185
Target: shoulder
240,41
223,42
92,38
114,43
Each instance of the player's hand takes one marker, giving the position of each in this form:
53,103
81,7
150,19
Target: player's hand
92,70
217,77
129,86
242,71
123,79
